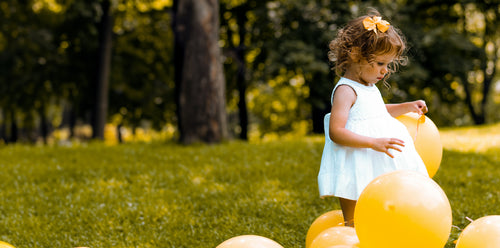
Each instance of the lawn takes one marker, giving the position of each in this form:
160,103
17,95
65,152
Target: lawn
168,195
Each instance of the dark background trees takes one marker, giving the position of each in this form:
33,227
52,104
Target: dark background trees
276,78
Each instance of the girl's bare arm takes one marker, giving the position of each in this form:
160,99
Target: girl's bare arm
398,109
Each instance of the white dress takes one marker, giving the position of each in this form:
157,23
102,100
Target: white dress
345,171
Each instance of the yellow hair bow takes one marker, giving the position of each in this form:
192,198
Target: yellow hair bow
374,23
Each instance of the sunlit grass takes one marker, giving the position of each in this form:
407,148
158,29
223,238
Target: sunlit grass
157,195
153,194
83,133
471,139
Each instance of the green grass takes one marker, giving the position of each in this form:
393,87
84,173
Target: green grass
167,195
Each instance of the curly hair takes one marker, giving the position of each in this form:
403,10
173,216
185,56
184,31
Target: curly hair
354,41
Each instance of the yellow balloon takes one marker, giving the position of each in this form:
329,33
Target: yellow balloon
481,233
339,235
426,137
5,245
249,241
323,222
403,209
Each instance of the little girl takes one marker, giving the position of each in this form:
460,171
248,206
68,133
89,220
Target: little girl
363,139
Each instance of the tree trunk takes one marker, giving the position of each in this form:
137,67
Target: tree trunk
477,117
119,133
44,127
179,48
202,101
488,81
241,81
242,101
237,51
3,137
13,128
69,118
104,64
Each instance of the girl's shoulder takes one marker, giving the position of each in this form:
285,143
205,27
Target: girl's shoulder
354,84
357,88
346,82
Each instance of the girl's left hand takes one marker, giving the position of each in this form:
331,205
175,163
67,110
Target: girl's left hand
418,106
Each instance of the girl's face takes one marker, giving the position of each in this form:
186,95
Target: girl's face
370,73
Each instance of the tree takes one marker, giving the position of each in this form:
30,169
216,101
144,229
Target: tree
237,51
486,28
105,30
245,30
453,52
27,53
141,83
199,75
140,80
298,51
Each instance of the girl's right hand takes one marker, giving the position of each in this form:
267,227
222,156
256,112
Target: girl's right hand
418,106
384,144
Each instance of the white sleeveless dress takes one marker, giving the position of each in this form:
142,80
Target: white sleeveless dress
345,171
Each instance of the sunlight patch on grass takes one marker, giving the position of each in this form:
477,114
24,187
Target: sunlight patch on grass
471,139
271,191
111,183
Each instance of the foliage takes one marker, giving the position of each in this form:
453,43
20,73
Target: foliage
292,63
48,57
447,51
303,30
27,52
452,57
142,76
56,43
168,195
